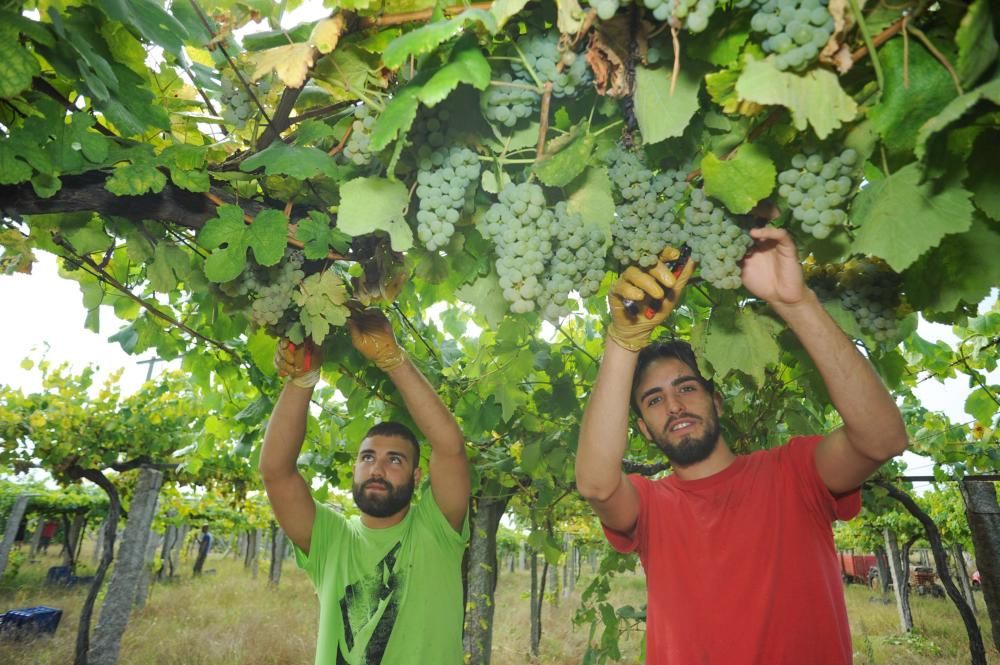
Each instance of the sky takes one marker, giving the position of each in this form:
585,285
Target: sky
45,317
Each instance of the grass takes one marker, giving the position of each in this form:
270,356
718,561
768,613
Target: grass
230,619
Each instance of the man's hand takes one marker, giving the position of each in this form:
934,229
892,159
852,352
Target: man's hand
633,331
771,270
300,362
371,335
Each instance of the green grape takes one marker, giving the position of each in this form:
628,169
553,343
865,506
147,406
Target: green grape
717,243
817,190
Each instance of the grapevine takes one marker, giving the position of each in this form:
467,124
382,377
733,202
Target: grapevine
237,106
446,185
796,29
265,294
357,150
867,288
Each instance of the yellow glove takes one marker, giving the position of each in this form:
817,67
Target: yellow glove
371,335
301,362
645,288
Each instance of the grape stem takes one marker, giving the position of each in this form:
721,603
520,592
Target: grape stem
674,37
866,35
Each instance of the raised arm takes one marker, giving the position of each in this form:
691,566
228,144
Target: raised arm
286,430
873,430
604,431
372,336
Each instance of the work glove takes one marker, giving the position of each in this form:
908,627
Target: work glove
371,335
301,362
650,294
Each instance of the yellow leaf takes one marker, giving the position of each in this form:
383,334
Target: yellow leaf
290,62
327,33
200,55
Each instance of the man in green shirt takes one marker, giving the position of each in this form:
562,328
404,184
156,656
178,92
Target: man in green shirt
389,582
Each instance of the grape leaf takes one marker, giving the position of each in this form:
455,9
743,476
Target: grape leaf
660,114
984,174
467,66
981,405
12,169
225,234
321,297
290,62
152,21
318,235
964,268
135,179
428,37
375,204
327,33
397,117
267,236
977,44
904,108
740,181
955,110
593,201
570,16
814,98
901,217
17,65
299,162
261,347
741,339
558,169
486,296
504,10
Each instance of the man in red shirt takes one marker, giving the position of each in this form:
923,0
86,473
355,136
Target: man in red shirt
738,550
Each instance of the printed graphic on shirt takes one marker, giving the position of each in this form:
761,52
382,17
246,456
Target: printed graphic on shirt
369,608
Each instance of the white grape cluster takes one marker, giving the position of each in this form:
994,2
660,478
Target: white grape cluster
430,130
506,104
577,264
357,150
717,243
446,186
543,254
237,107
816,190
644,221
606,9
796,29
871,292
269,293
692,14
542,53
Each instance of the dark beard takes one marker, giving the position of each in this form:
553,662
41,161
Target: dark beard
690,450
387,505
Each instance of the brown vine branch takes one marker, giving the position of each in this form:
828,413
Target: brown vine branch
101,274
543,127
889,32
422,15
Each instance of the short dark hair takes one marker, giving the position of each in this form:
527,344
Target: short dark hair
392,428
674,348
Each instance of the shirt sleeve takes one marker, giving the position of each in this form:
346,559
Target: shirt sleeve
431,515
802,451
623,542
329,527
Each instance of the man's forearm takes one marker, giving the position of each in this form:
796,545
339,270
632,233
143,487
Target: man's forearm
872,420
285,433
429,413
604,431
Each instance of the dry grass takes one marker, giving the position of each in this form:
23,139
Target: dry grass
230,619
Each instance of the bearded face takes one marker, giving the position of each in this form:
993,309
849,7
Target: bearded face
687,449
378,497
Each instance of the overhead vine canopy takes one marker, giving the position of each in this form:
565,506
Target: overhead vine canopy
215,178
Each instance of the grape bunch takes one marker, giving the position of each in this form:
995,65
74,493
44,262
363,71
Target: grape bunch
357,150
644,215
817,189
577,264
606,9
542,54
693,14
521,228
268,290
796,29
506,104
237,107
870,290
446,185
717,243
543,254
430,130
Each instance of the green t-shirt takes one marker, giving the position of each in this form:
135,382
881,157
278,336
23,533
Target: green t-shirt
387,596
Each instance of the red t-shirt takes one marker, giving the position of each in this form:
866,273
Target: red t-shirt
741,566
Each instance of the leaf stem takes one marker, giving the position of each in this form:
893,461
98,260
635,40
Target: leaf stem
866,35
